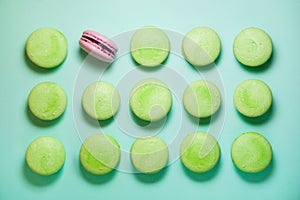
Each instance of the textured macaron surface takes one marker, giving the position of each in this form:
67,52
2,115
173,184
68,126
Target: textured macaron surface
149,46
150,99
45,155
101,100
199,152
98,45
201,98
47,101
149,154
252,47
201,46
100,154
253,98
251,152
47,47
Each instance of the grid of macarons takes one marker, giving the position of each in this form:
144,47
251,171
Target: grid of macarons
150,100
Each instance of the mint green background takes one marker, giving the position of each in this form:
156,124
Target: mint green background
279,18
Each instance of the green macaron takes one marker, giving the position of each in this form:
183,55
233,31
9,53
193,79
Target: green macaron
47,47
101,100
201,99
149,46
201,46
251,152
45,155
252,98
252,47
149,154
100,154
199,152
150,99
47,101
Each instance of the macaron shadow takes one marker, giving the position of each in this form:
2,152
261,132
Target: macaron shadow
262,68
203,177
208,67
38,122
149,69
39,180
92,61
38,69
96,179
151,178
147,124
93,122
257,177
261,119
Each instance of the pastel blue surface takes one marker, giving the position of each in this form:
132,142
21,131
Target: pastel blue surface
281,19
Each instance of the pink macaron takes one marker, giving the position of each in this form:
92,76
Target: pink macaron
98,46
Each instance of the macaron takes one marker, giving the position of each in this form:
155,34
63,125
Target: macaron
47,101
101,100
201,99
252,98
201,46
199,152
47,47
149,46
150,99
100,154
251,152
149,155
45,155
98,46
252,47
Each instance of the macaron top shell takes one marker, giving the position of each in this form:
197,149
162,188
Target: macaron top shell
251,152
201,46
252,47
47,47
47,101
149,46
150,99
98,45
45,155
100,154
101,100
149,154
252,98
202,99
199,152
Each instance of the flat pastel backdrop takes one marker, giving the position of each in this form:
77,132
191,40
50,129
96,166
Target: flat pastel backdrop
281,19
